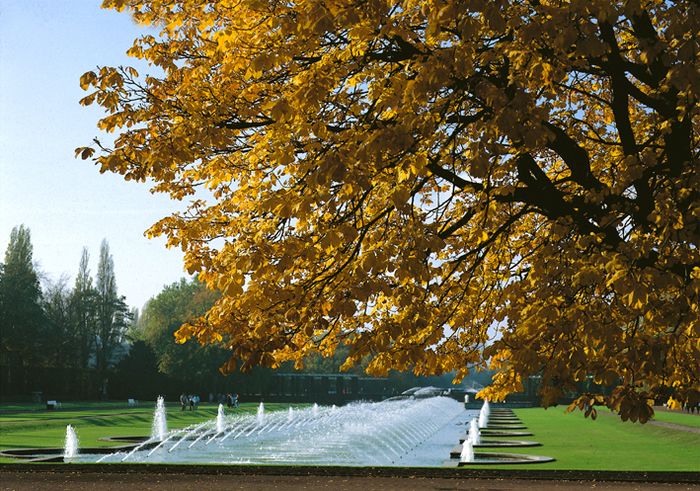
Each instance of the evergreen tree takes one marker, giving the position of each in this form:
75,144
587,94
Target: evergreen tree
21,316
83,311
112,316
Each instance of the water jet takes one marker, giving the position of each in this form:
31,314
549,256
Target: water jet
70,447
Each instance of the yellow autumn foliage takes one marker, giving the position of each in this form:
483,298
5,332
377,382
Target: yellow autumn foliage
436,184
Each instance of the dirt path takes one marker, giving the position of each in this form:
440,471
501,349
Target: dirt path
674,426
662,424
64,481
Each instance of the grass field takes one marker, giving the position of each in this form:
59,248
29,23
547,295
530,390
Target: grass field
608,443
576,442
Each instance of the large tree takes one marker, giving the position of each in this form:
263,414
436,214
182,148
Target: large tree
58,342
21,316
433,183
112,316
83,305
162,316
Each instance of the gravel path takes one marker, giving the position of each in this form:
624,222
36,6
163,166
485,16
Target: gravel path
64,481
674,426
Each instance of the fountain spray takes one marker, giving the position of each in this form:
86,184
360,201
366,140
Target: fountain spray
70,447
474,433
160,426
220,425
261,413
467,454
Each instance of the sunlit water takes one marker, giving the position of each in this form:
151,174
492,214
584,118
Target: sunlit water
417,432
261,414
467,454
474,433
70,445
220,419
159,428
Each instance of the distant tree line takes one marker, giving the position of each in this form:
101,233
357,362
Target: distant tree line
56,337
79,339
193,368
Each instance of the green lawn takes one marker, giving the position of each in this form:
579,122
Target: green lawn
70,405
607,443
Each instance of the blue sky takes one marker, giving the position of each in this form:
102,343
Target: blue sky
45,45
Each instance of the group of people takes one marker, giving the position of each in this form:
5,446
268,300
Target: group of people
231,400
691,408
191,401
685,408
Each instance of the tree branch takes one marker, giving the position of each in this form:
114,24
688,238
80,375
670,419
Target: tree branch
619,84
243,125
575,157
453,178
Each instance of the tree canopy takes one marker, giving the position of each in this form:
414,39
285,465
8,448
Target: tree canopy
112,315
55,338
162,316
434,184
21,316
